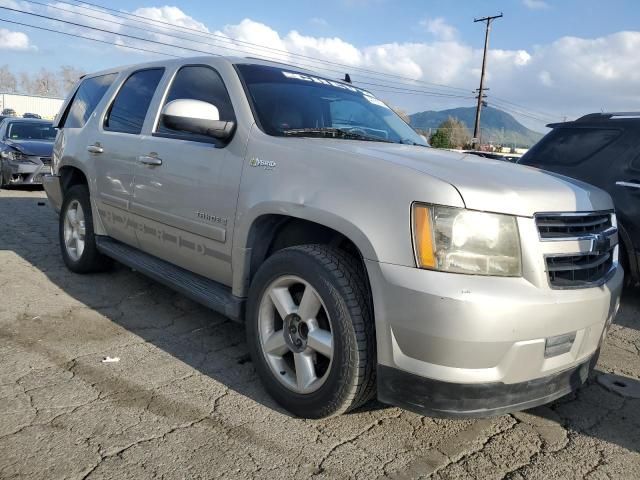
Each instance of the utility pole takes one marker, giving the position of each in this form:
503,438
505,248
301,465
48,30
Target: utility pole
476,128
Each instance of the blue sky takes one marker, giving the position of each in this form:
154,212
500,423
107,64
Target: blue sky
550,58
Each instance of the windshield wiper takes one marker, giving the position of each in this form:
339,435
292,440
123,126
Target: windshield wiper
331,132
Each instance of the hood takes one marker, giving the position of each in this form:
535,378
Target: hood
485,184
38,148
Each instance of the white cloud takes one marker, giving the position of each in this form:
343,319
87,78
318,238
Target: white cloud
17,5
319,22
545,78
439,28
10,40
171,15
535,4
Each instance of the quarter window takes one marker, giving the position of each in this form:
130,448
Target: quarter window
129,109
86,100
570,146
198,82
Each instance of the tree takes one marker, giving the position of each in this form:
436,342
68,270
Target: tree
45,83
68,77
452,133
440,139
25,83
8,81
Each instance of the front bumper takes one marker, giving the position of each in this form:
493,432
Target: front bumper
25,173
468,332
441,399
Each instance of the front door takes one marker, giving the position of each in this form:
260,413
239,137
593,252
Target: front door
115,144
186,185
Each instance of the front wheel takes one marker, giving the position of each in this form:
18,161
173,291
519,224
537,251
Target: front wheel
77,239
311,332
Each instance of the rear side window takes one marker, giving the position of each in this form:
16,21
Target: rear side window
86,99
198,82
129,109
569,146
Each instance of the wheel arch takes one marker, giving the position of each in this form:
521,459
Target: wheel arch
631,259
269,232
71,175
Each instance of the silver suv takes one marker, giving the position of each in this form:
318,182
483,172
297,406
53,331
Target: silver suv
360,259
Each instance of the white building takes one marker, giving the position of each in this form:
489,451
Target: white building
46,107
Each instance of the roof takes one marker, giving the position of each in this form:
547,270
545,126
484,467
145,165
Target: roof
229,59
601,117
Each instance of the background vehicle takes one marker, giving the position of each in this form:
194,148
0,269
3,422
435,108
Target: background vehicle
602,149
357,256
26,146
31,115
9,112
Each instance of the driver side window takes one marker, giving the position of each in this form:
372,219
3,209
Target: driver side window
198,82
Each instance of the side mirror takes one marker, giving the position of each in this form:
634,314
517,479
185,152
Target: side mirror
195,116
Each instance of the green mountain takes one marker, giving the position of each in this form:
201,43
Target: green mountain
497,126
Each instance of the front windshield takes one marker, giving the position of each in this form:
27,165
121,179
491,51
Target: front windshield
31,131
290,103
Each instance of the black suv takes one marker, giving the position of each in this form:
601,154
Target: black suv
602,149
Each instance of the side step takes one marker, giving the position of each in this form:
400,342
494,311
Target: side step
209,293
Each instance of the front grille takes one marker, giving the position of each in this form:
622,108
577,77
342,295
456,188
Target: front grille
578,270
559,226
581,269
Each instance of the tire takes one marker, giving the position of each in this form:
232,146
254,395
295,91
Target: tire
345,378
77,258
629,281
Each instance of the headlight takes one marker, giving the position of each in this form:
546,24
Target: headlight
16,156
465,241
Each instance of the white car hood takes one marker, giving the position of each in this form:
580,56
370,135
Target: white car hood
485,184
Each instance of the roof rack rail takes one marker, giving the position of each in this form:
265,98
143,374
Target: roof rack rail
607,116
277,62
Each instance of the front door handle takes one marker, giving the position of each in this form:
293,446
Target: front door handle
95,148
150,160
628,184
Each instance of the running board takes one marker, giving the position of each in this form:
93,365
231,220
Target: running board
207,292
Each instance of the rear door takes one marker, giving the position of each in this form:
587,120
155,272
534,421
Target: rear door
115,146
186,185
627,198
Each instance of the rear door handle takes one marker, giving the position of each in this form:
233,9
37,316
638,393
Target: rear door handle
628,184
95,148
150,160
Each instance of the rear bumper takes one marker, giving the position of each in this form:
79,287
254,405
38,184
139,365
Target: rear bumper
442,399
53,188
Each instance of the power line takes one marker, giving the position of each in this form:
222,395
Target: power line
75,35
199,33
395,89
158,42
537,112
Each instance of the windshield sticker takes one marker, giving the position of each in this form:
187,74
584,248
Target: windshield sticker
310,78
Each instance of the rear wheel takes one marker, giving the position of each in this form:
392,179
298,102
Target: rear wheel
311,332
77,239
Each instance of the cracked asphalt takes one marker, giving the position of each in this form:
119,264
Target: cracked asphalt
184,400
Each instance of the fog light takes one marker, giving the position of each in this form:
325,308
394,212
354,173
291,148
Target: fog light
559,344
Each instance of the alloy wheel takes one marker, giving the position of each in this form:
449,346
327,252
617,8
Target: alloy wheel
74,230
295,334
